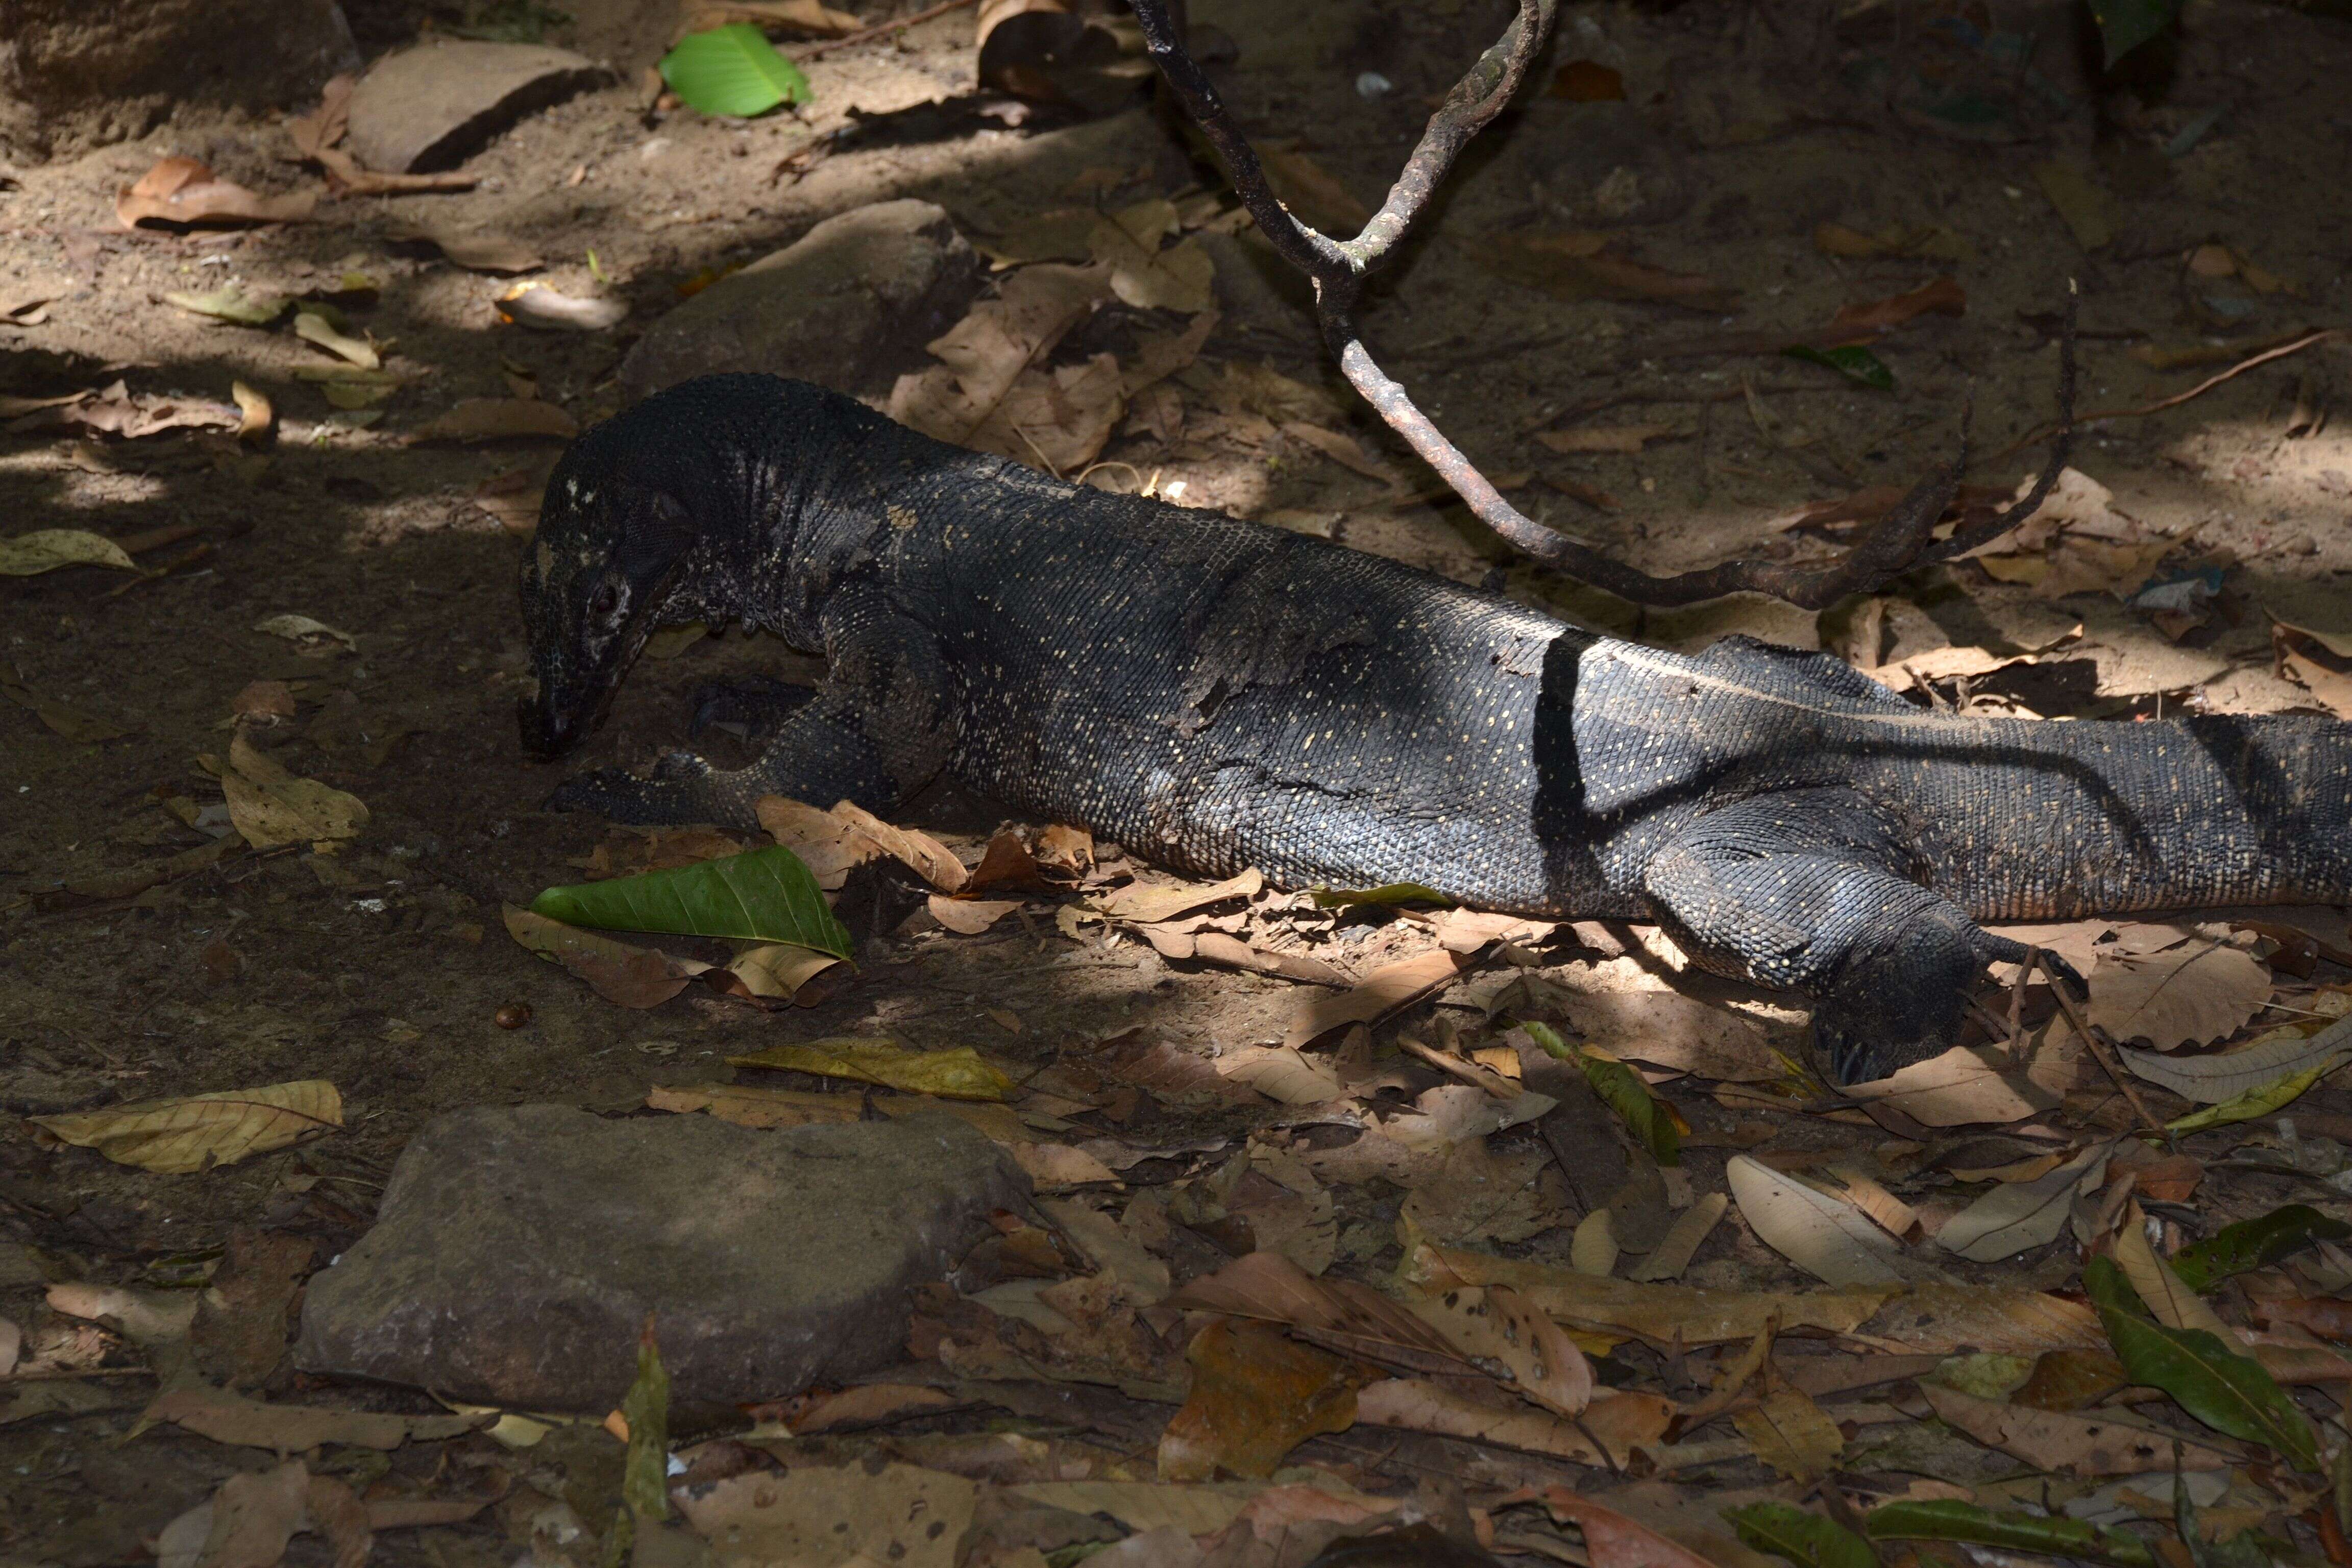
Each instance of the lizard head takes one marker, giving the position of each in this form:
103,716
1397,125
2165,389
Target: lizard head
611,543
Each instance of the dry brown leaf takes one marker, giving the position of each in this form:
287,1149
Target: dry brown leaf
116,410
1948,1319
1280,1073
2167,1297
1059,1167
827,1516
1385,990
195,1133
1255,1394
1672,1254
226,1417
2098,566
919,852
1825,1237
1620,1422
1658,1313
2188,995
255,414
271,808
1593,1250
1142,274
1339,1314
1789,1433
1966,1084
2018,1216
970,916
500,419
49,548
1149,903
2053,1441
1861,323
750,1105
1497,1324
1668,1029
1313,191
620,972
1613,1541
992,392
183,192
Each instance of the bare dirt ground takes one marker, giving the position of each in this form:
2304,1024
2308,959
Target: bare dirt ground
1947,139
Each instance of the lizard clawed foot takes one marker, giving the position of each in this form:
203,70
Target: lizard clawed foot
681,790
757,705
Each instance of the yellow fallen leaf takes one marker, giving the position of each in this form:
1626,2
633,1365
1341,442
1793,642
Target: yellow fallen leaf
196,1131
959,1073
47,548
269,806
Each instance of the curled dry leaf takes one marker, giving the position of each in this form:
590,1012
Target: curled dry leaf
620,972
1966,1084
2020,1215
548,310
271,808
1683,1238
1659,1312
308,637
49,549
182,192
1495,1323
194,1133
1617,1424
2053,1440
2196,992
753,1105
1389,988
959,1073
2218,1079
226,1417
1149,903
1280,1073
1255,1394
2165,1292
1827,1237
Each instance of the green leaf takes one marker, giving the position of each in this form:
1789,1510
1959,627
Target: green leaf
1544,1034
1945,1520
764,895
2254,1244
2256,1102
1386,893
732,71
645,1470
958,1074
1854,363
2228,1392
1805,1539
1625,1091
231,304
2125,25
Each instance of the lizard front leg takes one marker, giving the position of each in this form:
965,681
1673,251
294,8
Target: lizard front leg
878,729
1800,890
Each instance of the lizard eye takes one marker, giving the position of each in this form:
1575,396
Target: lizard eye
607,601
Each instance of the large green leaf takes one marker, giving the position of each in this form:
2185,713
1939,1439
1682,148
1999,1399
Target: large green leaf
765,895
1945,1520
2254,1244
2125,25
2228,1392
1805,1539
733,70
2255,1103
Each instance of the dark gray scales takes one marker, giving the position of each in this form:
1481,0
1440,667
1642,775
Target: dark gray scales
1217,694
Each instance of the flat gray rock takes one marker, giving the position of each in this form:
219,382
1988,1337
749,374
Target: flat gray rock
848,305
517,1251
435,106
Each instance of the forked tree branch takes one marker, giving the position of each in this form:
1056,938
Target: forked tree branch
1903,539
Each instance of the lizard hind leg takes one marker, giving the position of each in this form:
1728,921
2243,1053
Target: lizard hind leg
1799,891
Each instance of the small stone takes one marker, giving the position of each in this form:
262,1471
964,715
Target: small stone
849,305
513,1016
435,106
517,1251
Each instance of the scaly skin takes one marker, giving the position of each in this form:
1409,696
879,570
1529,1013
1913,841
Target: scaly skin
1214,694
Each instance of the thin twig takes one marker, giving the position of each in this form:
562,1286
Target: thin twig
882,29
1339,270
2177,398
2096,1038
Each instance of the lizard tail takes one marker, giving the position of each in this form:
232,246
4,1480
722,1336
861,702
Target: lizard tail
2112,817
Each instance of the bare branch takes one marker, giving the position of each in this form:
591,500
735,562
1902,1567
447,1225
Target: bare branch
1903,539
